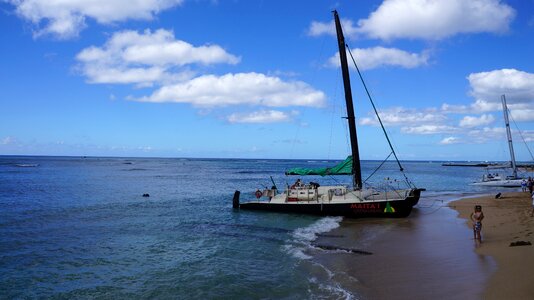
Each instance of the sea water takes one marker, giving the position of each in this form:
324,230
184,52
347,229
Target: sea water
79,227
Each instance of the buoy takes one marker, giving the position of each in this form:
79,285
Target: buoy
146,195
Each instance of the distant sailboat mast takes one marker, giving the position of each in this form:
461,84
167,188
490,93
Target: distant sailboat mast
356,169
509,134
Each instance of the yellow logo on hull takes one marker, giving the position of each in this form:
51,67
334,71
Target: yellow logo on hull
389,208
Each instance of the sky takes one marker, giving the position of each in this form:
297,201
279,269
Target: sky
261,79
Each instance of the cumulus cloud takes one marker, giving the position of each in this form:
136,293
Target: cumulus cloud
65,19
263,116
329,28
487,87
486,134
400,116
449,140
376,57
524,115
158,59
146,57
435,19
470,121
427,129
240,88
8,140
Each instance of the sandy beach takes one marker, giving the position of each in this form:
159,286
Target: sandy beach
429,255
507,220
432,253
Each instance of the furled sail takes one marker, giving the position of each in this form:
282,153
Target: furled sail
343,168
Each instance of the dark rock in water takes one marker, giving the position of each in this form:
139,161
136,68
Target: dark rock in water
498,196
330,235
520,243
146,195
351,250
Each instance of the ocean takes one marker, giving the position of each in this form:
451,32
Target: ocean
76,227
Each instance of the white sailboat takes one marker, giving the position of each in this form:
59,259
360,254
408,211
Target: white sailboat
339,200
497,180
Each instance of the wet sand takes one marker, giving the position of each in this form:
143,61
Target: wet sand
507,220
430,254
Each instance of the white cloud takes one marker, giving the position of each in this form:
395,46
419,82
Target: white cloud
146,58
522,115
427,129
402,116
470,121
479,106
450,140
487,87
436,19
329,28
371,58
66,18
240,88
487,134
263,116
8,140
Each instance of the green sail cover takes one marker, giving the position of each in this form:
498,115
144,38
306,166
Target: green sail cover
343,168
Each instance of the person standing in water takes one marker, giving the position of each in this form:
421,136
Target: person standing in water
477,216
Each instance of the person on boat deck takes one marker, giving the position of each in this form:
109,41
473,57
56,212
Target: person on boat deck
477,216
297,184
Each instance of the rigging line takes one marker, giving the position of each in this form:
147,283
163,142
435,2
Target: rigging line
520,134
381,164
374,107
334,110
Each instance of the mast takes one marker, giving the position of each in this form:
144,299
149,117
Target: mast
356,169
509,134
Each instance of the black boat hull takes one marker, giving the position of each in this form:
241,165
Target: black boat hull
375,209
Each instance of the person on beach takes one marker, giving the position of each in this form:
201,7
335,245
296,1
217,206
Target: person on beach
477,216
524,185
532,212
529,184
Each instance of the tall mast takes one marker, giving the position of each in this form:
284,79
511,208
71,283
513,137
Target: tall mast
356,170
509,134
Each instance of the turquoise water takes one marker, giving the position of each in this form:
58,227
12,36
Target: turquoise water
79,227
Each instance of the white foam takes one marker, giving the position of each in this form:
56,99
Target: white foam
309,233
27,165
334,289
296,251
302,237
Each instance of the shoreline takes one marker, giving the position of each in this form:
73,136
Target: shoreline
507,220
427,255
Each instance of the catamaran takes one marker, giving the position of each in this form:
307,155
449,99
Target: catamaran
338,200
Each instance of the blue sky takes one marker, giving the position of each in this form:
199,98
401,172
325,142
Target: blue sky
260,79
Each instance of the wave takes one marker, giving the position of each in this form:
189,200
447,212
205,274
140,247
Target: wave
333,289
302,238
324,282
27,165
